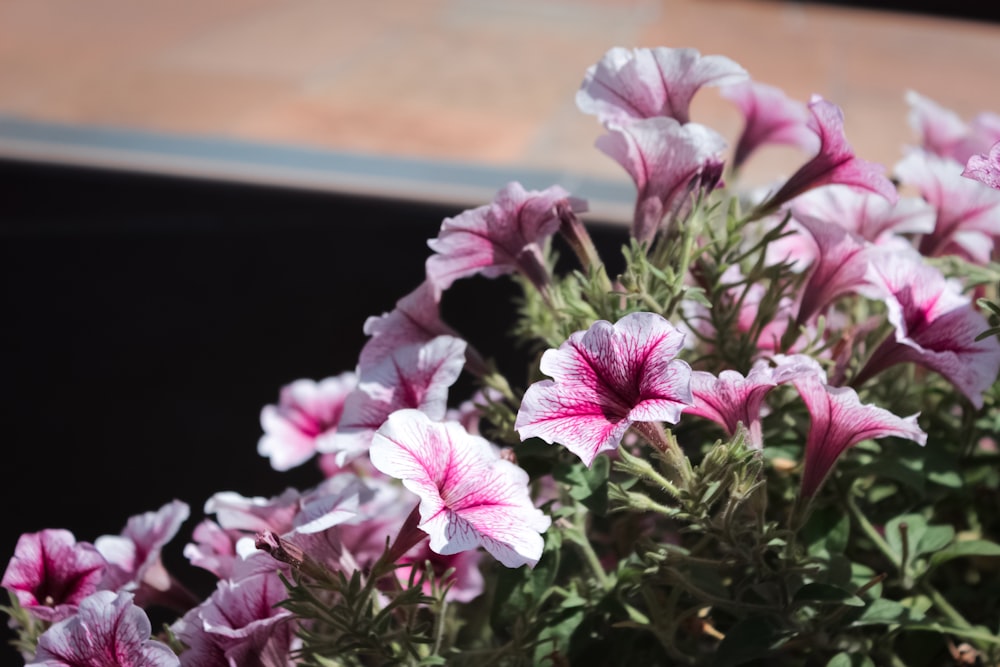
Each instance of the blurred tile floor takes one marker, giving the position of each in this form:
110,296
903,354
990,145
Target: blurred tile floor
477,82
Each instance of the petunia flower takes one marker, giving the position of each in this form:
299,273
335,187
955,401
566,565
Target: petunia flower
985,168
502,237
628,85
944,133
668,162
834,163
968,214
241,623
935,326
469,495
134,561
840,266
838,420
108,630
730,399
604,380
307,413
50,573
769,117
415,376
870,216
212,548
415,319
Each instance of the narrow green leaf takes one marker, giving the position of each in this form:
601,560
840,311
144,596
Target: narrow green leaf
884,611
966,548
827,593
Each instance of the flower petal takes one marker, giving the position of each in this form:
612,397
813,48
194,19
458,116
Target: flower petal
469,495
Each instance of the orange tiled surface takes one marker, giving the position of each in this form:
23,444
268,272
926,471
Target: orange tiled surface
483,81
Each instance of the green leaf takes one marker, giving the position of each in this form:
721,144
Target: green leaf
934,539
827,531
966,548
588,485
942,467
840,660
920,538
915,525
862,575
749,639
905,466
433,660
827,593
976,633
884,611
850,660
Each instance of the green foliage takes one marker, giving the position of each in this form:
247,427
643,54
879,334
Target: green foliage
364,620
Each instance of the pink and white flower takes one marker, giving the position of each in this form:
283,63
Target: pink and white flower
840,266
134,561
668,162
241,623
730,399
968,214
498,238
415,376
944,133
985,168
769,117
935,326
628,85
306,415
51,573
834,163
415,319
605,379
470,496
108,630
839,421
866,214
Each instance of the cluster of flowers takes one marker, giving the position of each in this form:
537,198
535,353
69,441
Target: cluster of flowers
415,490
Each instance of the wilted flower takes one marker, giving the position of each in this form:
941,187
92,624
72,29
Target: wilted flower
730,399
134,559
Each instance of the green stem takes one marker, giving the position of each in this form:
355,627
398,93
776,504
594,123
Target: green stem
940,601
439,629
586,549
869,530
945,607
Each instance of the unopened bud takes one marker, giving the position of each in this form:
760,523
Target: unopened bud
280,549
